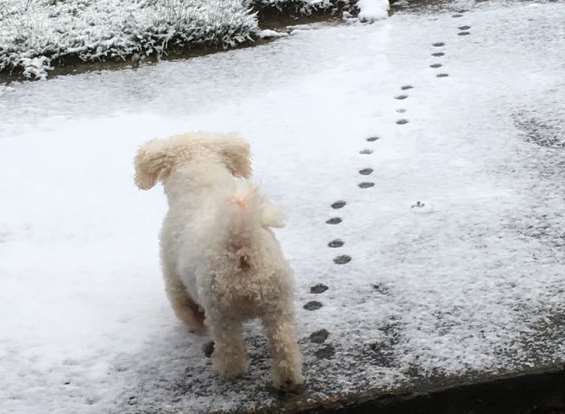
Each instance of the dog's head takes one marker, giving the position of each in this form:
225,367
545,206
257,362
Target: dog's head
156,159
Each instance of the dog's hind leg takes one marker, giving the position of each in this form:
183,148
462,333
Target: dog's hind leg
229,358
185,308
287,359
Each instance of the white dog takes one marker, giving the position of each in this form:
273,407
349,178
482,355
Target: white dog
221,262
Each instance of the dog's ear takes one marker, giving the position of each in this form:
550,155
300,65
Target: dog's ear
153,161
236,155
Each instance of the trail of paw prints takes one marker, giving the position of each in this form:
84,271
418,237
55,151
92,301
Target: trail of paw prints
325,350
366,172
463,29
337,243
439,51
402,97
439,47
319,337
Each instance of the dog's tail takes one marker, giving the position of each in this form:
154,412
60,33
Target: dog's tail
250,214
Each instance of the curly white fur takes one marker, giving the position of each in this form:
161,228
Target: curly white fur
221,261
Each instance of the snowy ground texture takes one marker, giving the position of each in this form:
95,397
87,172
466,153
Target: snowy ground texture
36,35
453,217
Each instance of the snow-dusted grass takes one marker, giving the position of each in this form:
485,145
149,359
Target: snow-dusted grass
36,34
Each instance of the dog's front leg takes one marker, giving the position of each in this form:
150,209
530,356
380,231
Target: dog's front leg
229,358
184,306
287,359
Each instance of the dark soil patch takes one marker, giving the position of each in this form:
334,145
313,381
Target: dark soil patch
540,393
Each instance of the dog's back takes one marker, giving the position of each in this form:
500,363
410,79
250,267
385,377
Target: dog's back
231,256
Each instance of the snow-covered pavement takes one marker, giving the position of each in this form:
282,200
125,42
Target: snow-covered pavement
448,256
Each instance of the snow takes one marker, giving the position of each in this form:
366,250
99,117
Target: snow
271,34
468,282
5,89
371,10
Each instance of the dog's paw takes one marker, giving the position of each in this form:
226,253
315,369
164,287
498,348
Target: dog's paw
231,367
287,379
